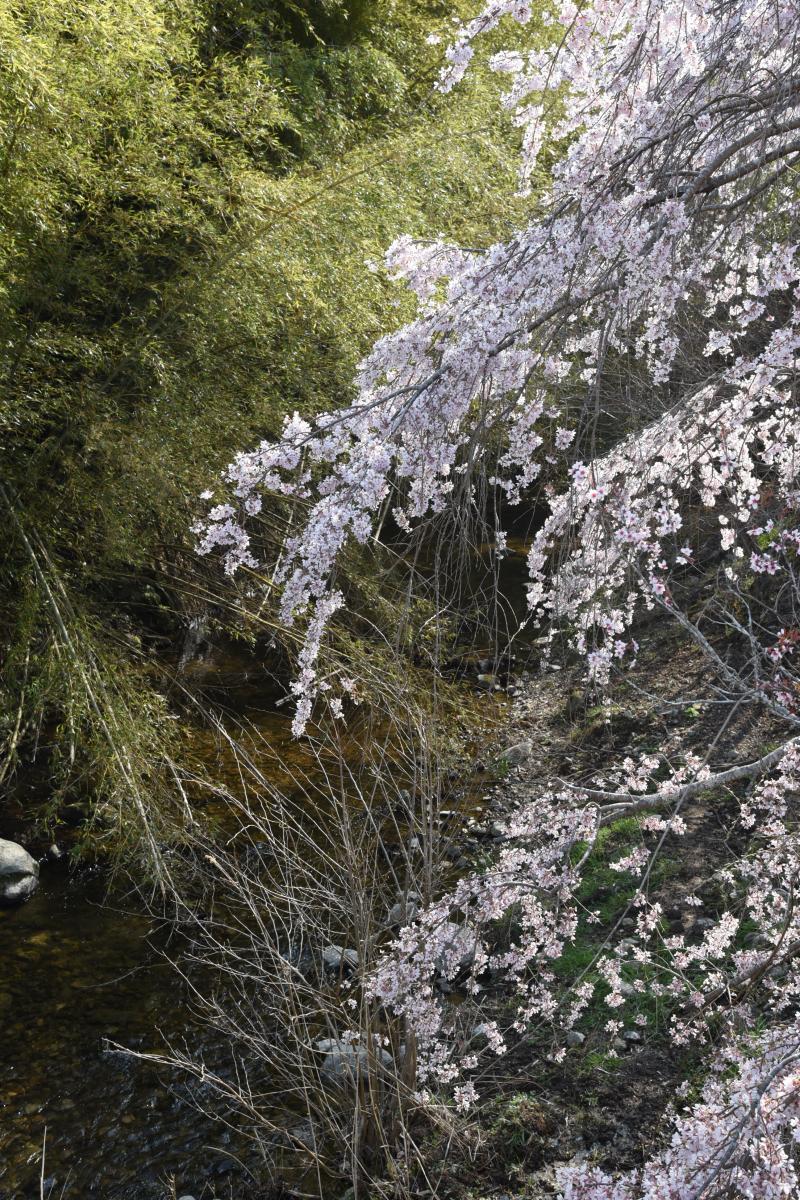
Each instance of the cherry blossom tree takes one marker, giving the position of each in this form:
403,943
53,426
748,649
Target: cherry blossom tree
639,337
663,251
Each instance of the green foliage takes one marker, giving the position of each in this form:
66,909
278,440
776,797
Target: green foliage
519,1126
103,737
603,890
191,189
604,895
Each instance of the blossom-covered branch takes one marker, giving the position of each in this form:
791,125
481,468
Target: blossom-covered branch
667,238
656,284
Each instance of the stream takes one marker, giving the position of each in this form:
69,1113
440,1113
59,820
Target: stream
78,970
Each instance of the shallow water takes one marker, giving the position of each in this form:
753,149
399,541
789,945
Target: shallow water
77,971
80,969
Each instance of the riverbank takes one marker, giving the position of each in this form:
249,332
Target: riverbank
83,970
606,1100
85,966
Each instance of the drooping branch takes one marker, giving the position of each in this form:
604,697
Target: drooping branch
627,804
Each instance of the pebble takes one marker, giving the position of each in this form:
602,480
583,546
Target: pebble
575,1038
400,914
337,958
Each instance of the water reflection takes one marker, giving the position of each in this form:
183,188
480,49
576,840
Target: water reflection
74,972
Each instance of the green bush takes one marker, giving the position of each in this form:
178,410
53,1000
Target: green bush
191,190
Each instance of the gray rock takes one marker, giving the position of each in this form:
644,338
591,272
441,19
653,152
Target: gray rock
575,1038
19,873
632,1036
303,1135
325,1045
339,959
345,1062
517,753
457,951
402,914
757,939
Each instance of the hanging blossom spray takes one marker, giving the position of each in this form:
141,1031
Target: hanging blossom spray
657,279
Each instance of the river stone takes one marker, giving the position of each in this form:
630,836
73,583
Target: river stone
456,950
303,1135
402,914
325,1045
339,958
345,1062
517,753
19,873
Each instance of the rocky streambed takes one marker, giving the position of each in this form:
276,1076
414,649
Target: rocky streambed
80,973
83,971
77,973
